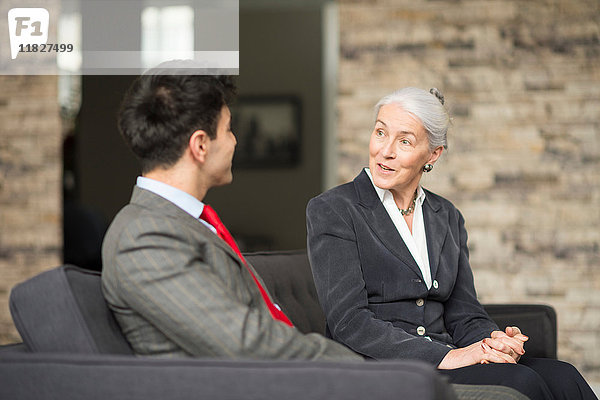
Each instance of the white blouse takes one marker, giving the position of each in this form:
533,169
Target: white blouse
417,241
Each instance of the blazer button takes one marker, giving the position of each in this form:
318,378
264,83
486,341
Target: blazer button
421,330
435,284
420,302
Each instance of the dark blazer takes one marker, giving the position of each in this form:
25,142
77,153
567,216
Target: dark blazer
177,289
372,290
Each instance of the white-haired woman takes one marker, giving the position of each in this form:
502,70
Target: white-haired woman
391,264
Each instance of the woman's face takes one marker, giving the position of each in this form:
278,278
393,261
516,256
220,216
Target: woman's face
399,149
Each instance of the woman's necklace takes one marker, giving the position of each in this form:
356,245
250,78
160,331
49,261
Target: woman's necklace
412,206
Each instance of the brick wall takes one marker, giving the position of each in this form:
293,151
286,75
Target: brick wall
522,82
30,174
30,184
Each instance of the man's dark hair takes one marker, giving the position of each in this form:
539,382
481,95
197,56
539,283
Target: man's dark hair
160,112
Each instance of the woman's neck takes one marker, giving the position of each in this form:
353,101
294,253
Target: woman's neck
404,198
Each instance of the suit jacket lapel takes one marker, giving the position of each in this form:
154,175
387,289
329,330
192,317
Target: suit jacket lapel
380,222
436,228
148,199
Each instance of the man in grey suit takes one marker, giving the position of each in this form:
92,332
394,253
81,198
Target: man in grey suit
175,284
175,287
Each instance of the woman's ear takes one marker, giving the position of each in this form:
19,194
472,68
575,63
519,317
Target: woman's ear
435,154
198,145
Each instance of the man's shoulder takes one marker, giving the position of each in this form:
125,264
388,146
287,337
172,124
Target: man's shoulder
129,216
149,211
136,222
137,236
138,225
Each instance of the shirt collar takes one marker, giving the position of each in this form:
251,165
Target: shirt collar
181,199
384,193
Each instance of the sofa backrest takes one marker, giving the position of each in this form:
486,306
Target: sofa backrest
63,310
289,279
538,321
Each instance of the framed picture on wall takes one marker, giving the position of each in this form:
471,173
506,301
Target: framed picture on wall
268,130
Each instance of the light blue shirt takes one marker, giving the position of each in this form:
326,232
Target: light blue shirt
181,199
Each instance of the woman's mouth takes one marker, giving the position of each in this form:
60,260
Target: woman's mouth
385,168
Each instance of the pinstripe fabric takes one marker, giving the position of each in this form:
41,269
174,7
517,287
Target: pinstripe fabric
371,288
176,289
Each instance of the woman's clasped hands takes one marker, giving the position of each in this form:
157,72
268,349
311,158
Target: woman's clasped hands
500,347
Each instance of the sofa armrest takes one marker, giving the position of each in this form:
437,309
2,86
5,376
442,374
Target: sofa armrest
538,321
62,376
63,310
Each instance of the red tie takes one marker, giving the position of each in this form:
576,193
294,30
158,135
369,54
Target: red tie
210,215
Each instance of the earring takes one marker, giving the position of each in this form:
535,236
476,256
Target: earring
428,167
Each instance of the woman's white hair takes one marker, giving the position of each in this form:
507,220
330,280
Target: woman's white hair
428,107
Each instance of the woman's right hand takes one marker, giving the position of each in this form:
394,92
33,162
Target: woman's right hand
477,353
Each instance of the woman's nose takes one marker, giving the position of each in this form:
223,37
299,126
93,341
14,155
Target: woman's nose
388,150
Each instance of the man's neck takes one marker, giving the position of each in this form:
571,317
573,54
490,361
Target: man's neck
180,179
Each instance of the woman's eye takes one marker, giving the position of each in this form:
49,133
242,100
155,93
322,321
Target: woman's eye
405,141
379,132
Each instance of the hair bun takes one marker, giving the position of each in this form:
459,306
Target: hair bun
438,94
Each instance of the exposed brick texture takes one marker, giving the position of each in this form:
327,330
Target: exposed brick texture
30,184
30,173
522,81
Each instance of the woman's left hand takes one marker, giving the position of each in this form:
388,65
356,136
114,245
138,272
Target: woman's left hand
509,342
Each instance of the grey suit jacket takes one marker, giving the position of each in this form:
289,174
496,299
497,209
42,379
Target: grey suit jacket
372,290
176,289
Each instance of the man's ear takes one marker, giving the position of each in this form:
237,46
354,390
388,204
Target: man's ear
198,145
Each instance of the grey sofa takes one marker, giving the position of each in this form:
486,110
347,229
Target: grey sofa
73,349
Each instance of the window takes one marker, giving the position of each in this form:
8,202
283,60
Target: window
167,34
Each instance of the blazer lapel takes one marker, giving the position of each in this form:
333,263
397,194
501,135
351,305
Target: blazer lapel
380,222
436,228
148,199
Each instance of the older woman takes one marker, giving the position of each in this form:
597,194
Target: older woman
391,264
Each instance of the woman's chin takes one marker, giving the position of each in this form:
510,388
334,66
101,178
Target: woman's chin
382,183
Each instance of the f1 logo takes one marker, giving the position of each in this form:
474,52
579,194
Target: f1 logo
27,26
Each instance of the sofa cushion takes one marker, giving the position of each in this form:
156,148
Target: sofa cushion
93,376
289,279
63,310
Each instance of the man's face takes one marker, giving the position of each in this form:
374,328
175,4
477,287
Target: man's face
220,153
